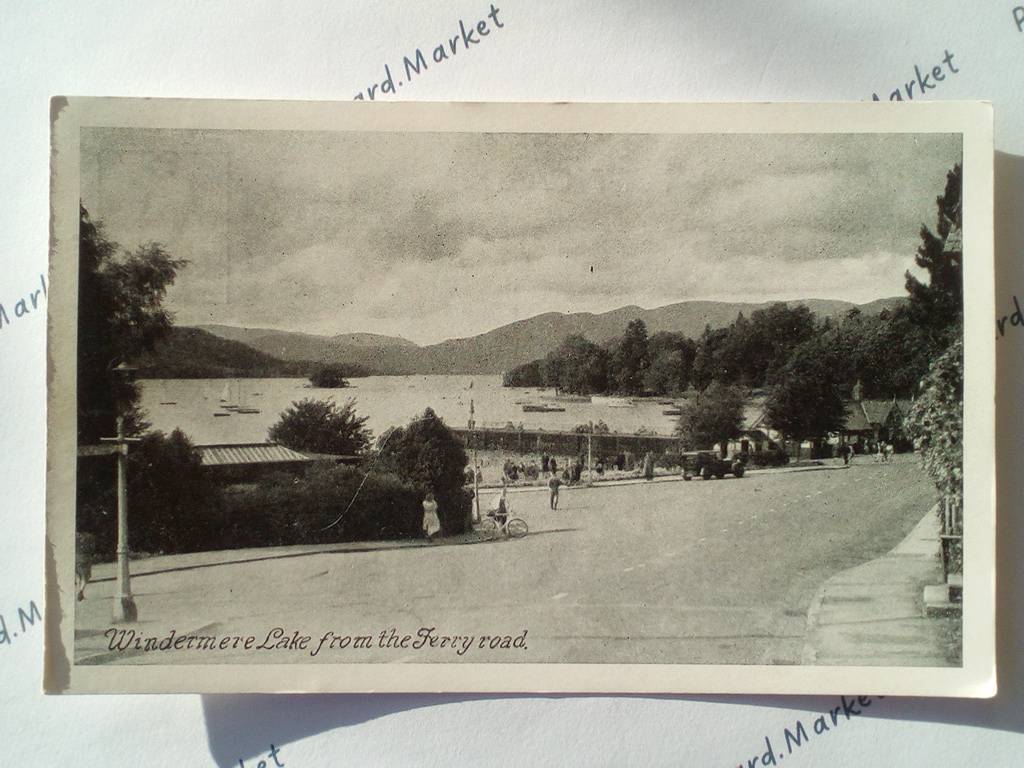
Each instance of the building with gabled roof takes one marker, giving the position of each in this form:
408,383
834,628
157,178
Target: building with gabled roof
869,422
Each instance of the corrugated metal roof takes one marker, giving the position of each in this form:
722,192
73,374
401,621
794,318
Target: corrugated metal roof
247,453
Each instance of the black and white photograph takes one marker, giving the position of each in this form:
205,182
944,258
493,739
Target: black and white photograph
508,387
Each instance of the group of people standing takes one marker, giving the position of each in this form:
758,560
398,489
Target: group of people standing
883,451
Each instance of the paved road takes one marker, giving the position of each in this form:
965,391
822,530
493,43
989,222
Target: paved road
701,572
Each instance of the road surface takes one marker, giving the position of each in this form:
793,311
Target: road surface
718,571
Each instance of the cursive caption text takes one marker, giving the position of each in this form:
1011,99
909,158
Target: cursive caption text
280,639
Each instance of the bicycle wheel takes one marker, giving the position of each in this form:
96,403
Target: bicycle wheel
517,528
489,528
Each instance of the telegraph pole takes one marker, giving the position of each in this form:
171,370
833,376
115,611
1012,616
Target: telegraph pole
124,603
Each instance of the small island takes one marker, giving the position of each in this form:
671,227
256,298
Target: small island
334,376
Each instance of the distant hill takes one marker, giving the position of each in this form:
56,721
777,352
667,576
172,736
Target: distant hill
363,349
512,344
192,353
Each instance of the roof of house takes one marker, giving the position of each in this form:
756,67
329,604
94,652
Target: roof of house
865,415
754,417
234,454
877,411
856,419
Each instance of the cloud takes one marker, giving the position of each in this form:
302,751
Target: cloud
439,235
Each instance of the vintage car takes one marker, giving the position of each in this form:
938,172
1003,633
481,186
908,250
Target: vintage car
708,464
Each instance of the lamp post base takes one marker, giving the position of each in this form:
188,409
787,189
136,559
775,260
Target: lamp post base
124,609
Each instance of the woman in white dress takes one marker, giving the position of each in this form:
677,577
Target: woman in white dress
431,522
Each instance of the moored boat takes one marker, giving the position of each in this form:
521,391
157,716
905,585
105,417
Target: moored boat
612,402
542,408
567,398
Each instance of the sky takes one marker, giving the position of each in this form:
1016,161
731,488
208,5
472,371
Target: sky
431,236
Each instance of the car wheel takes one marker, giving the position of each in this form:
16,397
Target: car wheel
738,469
706,473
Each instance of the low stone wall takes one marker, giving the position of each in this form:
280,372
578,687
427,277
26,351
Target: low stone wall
565,443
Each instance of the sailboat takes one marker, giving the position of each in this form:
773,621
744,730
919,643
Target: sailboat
234,407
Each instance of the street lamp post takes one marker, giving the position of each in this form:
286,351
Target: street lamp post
476,466
590,454
124,609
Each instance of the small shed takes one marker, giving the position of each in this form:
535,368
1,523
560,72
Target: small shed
247,462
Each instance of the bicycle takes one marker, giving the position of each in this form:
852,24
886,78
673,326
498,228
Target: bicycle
511,527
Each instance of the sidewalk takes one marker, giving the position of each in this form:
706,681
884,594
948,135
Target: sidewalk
873,614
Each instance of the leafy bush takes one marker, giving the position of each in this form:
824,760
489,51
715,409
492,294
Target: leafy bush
320,426
936,423
668,460
768,457
823,450
600,428
427,454
172,506
283,510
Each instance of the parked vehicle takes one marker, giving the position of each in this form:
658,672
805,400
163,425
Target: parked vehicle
708,464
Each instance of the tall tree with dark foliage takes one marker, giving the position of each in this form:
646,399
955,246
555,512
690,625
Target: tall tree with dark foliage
120,315
937,305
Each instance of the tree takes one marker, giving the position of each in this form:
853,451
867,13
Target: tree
172,503
120,316
630,359
330,376
671,363
806,399
578,365
171,500
938,305
526,375
712,416
320,426
705,363
430,455
776,331
887,353
936,423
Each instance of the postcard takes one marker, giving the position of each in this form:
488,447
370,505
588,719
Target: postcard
520,398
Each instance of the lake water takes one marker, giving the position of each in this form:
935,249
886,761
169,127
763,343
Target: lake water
386,400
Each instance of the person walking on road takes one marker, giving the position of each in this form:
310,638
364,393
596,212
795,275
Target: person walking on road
431,521
553,485
648,466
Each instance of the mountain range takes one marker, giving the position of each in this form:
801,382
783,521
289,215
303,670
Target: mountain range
232,351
